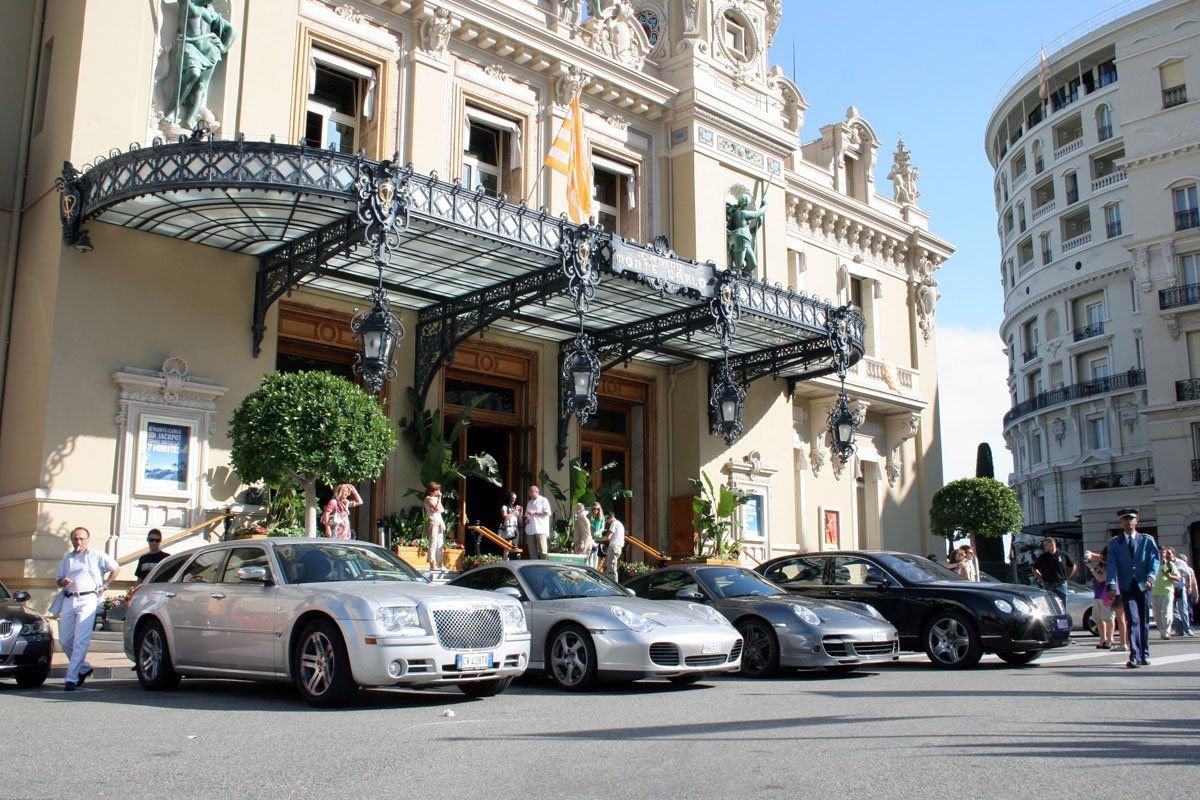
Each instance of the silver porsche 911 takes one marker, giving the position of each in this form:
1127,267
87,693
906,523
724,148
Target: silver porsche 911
780,629
586,628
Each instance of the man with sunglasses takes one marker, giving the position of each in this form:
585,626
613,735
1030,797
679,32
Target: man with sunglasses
147,562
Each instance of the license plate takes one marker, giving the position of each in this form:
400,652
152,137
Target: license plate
878,637
710,649
1062,624
466,661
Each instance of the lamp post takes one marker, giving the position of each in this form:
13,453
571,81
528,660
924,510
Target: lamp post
581,374
727,401
378,330
843,422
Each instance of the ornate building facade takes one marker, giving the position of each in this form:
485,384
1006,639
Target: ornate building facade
1097,225
148,342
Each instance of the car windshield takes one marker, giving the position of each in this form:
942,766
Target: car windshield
915,569
314,562
561,582
727,582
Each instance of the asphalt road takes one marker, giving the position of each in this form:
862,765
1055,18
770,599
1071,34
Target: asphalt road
1058,729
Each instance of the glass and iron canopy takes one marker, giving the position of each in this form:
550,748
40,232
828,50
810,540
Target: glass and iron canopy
463,262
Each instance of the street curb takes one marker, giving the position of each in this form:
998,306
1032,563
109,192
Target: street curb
98,673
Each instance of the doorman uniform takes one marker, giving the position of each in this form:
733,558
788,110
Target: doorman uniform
76,604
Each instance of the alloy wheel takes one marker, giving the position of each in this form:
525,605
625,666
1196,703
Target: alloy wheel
949,640
759,649
317,663
569,658
151,653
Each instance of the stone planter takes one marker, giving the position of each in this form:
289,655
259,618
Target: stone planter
453,559
415,557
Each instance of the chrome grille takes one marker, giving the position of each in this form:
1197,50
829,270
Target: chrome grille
1047,604
874,648
665,654
468,628
705,661
736,652
6,629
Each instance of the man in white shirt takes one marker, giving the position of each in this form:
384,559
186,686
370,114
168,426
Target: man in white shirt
615,542
84,576
537,524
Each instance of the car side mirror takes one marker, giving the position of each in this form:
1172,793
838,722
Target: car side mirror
878,583
689,594
254,574
21,597
509,591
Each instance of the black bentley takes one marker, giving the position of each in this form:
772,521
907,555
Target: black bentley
25,641
953,620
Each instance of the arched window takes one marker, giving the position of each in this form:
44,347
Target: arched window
1039,159
1104,122
1004,187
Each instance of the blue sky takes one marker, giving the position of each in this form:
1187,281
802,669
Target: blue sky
931,71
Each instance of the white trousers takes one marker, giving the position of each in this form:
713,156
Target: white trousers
1163,608
437,544
75,632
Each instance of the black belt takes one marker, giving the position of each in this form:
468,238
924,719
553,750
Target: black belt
79,594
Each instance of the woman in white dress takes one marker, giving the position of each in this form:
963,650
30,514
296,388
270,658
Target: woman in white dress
435,527
581,534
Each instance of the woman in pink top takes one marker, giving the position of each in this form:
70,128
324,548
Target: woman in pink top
336,517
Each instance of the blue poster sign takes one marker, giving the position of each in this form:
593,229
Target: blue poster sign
165,463
752,514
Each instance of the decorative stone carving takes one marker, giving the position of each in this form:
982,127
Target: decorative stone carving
569,11
1129,415
903,176
350,14
436,31
1141,268
569,84
899,429
1165,271
616,121
816,455
616,33
791,102
925,295
691,18
774,17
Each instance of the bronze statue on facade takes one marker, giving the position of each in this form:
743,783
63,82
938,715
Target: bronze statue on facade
742,222
204,39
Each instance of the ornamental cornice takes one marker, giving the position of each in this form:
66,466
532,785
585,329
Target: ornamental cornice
782,146
1161,155
1060,290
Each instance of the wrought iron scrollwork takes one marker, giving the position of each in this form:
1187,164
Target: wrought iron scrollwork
581,352
725,310
70,207
580,248
837,333
842,422
383,205
728,426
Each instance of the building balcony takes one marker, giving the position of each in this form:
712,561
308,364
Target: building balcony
1111,179
1068,148
1077,242
1113,229
1178,296
1188,218
1174,96
1117,480
1078,391
1043,210
880,375
1088,331
1030,354
1187,391
1104,133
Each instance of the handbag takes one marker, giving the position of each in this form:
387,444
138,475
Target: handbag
1109,598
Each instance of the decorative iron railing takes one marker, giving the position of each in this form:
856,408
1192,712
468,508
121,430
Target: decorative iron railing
1176,296
1174,96
1088,331
1077,391
1117,480
1187,391
1188,218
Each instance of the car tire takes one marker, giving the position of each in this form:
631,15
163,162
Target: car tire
842,669
1021,657
686,680
485,688
571,658
1089,623
760,658
951,641
321,666
155,671
33,677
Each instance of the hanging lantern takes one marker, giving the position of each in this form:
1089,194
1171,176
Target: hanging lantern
727,401
843,424
581,374
378,330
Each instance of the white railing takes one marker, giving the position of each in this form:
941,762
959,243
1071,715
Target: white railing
1043,210
1111,179
1068,148
1077,32
1078,241
878,374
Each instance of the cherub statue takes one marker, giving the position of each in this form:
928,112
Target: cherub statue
741,226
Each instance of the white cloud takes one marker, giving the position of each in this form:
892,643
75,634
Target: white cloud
972,381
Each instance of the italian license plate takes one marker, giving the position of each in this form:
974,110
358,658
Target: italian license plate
879,637
1062,624
469,661
710,649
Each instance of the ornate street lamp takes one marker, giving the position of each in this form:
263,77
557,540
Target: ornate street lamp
378,330
843,424
581,374
727,401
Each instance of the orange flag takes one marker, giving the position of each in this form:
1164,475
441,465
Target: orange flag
569,155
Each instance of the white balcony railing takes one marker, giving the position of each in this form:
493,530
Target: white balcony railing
1078,241
880,375
1111,179
1043,210
1068,148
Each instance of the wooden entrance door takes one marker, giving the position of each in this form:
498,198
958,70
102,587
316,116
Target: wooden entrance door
607,439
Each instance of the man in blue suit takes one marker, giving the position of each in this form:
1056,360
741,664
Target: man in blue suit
1132,567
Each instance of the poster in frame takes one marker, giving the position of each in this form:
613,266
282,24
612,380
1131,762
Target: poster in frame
164,456
754,517
831,527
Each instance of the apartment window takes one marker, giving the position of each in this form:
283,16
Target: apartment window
1186,213
1075,226
1135,302
1025,253
1039,158
342,96
1021,217
1071,184
1097,367
1012,274
1104,124
1139,353
1033,384
1047,251
1039,509
1189,269
856,293
1008,222
1106,164
1107,73
614,187
1035,447
1018,165
1196,440
483,160
1043,193
1068,132
1097,433
1004,187
735,35
1112,220
1193,352
1030,331
1174,84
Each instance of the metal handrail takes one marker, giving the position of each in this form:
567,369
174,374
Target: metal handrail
129,559
494,538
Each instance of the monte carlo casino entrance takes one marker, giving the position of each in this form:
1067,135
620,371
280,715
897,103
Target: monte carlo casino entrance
549,322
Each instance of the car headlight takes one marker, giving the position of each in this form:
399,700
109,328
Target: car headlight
397,618
38,626
806,614
514,618
873,611
1003,605
633,620
714,616
1021,606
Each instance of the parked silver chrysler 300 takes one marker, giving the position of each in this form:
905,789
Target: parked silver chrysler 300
586,628
330,615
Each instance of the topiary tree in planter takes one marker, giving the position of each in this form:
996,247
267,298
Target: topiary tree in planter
309,427
975,507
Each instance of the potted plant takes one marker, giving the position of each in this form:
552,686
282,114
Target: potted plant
632,569
713,508
452,556
468,563
253,530
413,550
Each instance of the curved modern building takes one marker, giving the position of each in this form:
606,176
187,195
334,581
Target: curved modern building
1095,151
